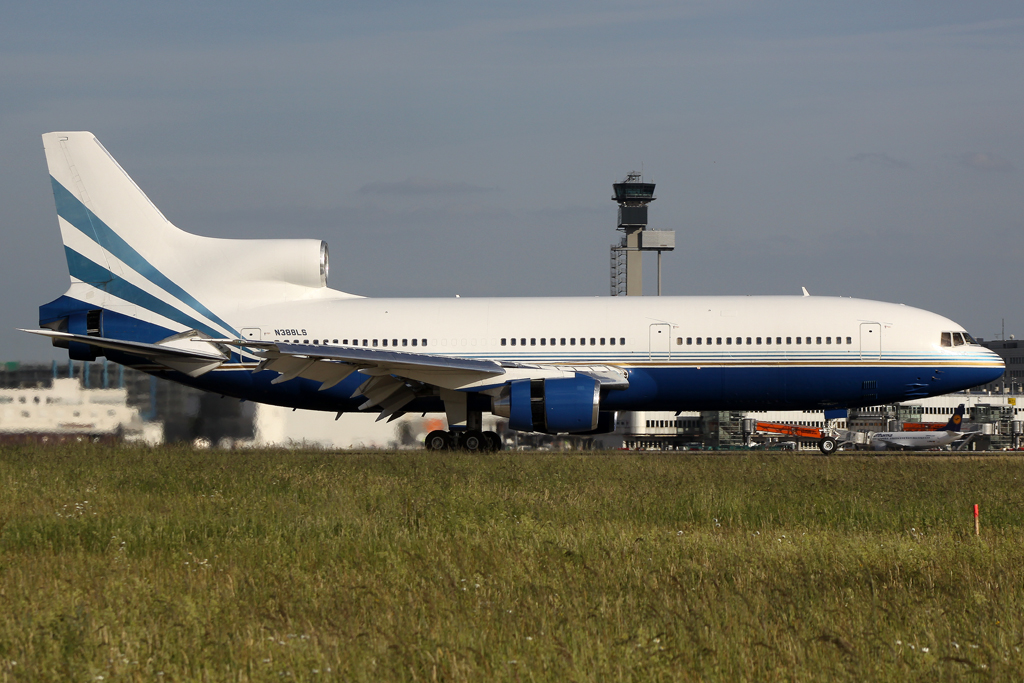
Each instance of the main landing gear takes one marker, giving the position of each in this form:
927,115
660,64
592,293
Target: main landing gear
468,421
472,440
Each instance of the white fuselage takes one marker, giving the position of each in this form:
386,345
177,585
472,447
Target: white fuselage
685,330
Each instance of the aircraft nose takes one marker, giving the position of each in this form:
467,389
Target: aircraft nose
994,366
976,367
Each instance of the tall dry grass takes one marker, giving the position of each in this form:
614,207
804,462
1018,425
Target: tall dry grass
169,564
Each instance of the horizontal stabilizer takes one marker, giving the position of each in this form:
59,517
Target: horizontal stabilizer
190,361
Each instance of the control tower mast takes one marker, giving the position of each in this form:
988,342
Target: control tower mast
633,195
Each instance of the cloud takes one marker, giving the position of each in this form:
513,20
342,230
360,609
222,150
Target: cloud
421,186
985,162
882,160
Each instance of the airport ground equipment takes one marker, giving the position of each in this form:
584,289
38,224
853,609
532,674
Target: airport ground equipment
829,438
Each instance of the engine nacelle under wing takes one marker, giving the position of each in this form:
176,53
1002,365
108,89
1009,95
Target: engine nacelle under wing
559,405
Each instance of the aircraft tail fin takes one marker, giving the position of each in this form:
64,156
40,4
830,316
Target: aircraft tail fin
955,423
102,212
136,276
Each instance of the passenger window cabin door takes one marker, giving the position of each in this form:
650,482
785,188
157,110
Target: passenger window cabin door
661,341
870,341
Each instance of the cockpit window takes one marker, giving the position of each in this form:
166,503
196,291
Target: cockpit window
957,339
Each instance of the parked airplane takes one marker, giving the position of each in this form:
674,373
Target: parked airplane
254,319
922,440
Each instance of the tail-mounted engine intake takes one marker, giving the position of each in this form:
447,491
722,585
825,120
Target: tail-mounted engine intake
569,404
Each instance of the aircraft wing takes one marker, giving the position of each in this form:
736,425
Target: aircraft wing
395,378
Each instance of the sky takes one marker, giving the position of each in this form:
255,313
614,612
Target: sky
869,149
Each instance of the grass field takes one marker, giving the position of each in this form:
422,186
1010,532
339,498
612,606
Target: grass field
174,565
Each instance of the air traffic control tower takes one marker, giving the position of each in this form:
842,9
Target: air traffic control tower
633,195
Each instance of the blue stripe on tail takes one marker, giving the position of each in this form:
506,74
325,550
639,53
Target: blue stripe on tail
78,214
88,271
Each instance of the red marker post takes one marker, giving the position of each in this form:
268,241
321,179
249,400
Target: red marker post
977,523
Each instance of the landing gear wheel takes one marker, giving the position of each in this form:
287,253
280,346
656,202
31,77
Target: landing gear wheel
827,446
493,442
438,441
473,441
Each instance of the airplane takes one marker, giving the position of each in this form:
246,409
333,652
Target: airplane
254,319
922,440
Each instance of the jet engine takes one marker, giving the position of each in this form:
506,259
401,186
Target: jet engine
562,405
